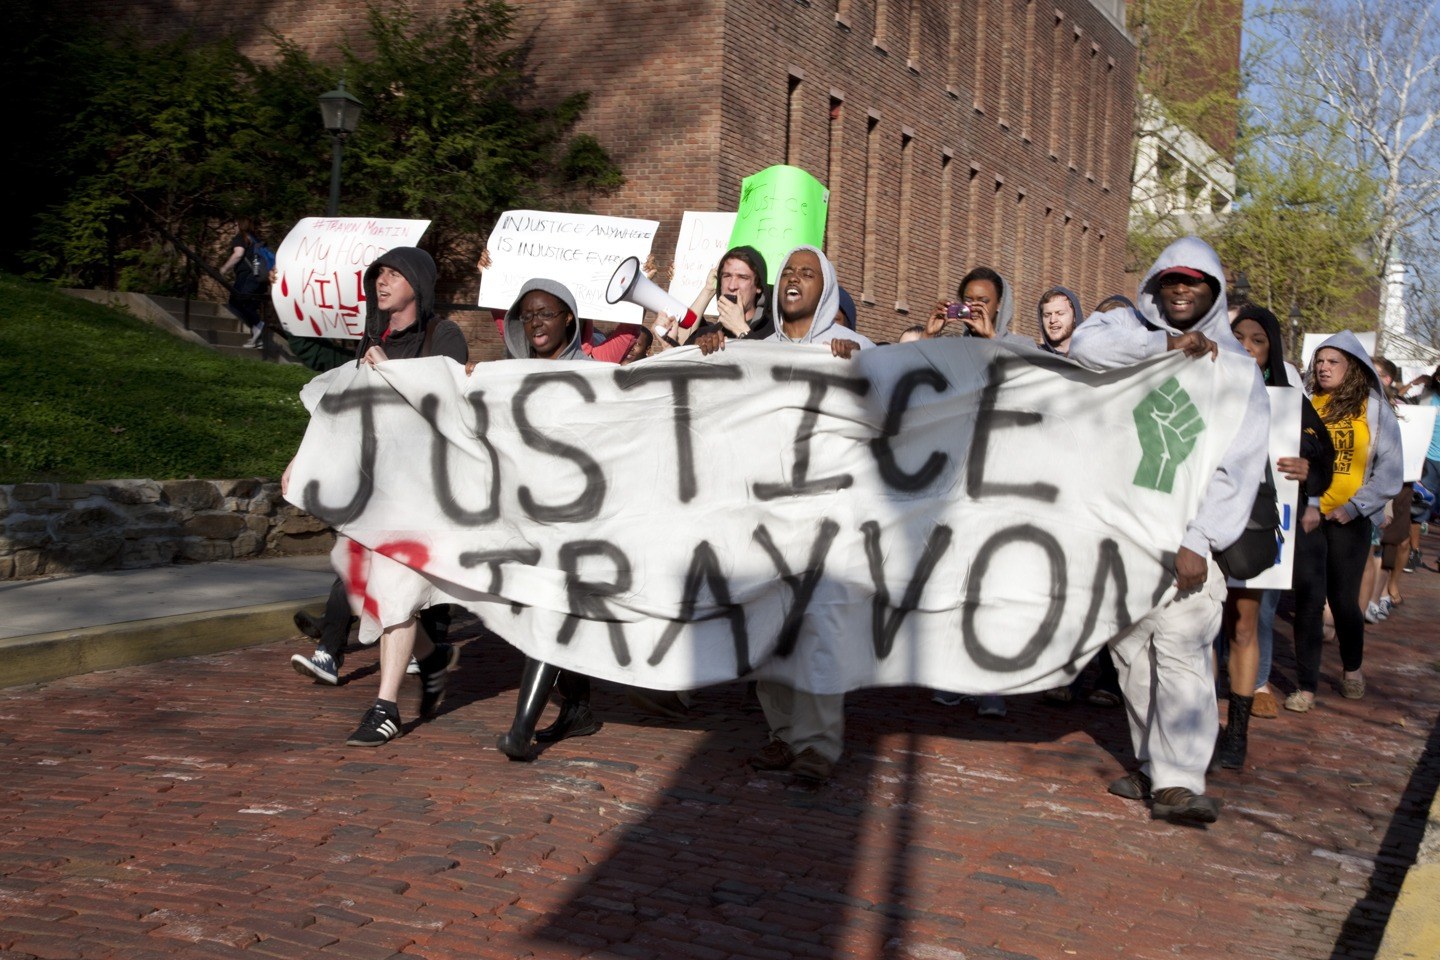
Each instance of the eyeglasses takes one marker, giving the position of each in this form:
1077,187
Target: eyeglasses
544,316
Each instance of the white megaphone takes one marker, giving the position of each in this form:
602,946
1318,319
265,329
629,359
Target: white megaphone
630,284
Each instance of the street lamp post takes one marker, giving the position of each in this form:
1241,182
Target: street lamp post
341,112
1241,289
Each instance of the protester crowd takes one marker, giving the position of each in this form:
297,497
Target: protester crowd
1352,504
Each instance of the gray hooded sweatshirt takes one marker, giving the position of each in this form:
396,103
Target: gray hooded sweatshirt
1117,338
517,346
823,328
1384,463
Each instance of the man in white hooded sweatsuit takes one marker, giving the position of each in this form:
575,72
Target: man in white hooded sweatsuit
806,729
1164,661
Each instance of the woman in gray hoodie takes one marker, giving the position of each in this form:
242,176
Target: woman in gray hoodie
1330,560
543,324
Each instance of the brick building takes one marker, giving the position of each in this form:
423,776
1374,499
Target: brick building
950,134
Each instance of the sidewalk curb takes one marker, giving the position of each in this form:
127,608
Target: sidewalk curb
41,657
1413,931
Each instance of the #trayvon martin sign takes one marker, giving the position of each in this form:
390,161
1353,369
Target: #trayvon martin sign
963,514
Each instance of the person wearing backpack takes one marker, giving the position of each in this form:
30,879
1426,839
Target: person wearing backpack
252,261
1249,613
1164,661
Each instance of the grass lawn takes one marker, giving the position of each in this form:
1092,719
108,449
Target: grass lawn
90,393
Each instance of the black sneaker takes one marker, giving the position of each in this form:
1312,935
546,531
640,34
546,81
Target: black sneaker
1412,561
1181,805
1133,786
377,727
432,682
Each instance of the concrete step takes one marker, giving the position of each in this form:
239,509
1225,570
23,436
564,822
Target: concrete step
175,306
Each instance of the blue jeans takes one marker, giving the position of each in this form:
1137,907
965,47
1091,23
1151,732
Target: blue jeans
1265,634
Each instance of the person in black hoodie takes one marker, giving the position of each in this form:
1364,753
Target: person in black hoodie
400,324
1258,332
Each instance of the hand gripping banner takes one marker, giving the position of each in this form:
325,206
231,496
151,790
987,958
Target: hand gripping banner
969,515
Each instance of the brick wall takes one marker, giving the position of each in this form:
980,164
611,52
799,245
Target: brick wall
1024,107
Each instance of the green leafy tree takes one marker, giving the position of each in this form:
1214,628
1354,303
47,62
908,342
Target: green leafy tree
177,139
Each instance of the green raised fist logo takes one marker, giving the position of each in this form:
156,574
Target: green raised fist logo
1168,423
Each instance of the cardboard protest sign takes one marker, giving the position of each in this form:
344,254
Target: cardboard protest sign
579,250
319,288
1417,426
704,238
1284,442
780,208
967,514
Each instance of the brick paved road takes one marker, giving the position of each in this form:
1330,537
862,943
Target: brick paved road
207,808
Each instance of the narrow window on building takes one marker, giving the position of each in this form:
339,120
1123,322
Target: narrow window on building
913,58
872,198
952,52
842,12
1018,266
1067,259
1194,187
1107,146
947,212
1093,87
907,179
972,215
997,219
1005,14
792,118
1047,247
975,53
1219,203
1071,133
1027,86
1057,83
1097,280
834,153
1085,253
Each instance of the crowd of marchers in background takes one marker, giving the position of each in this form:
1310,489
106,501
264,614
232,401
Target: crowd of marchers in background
1356,519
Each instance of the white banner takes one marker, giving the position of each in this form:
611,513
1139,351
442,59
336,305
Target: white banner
1284,442
319,290
577,249
1417,426
704,237
965,514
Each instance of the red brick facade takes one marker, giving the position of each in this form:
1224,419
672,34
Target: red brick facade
951,135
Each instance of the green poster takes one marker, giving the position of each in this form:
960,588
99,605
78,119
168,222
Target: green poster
780,208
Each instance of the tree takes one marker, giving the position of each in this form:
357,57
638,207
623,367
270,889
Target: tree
178,139
1372,68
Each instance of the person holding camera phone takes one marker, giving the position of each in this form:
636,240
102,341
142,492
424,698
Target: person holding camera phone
984,307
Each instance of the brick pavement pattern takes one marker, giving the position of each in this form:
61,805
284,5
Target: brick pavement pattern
207,807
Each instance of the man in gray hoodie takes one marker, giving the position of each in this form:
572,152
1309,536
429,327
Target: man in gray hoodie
1164,660
806,729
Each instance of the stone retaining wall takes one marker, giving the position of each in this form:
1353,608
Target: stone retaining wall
51,528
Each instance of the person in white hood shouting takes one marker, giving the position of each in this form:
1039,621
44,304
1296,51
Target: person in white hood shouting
1164,662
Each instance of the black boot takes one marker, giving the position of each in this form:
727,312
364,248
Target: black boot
1231,749
575,718
535,684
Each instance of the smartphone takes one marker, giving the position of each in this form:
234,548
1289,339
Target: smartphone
733,298
957,311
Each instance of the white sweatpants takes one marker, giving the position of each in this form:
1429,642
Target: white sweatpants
1167,676
804,720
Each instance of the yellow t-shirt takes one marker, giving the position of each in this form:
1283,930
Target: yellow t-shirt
1352,450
